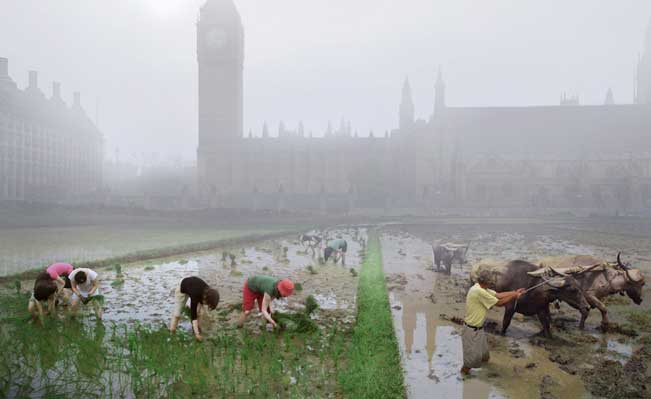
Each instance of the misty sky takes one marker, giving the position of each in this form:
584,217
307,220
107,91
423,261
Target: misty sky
320,60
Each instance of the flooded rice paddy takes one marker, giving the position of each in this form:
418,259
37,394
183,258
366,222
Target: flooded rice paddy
147,292
24,249
425,306
137,307
428,305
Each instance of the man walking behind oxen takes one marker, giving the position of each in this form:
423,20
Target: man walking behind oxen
479,299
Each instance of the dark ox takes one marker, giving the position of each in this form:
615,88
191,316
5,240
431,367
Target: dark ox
600,279
449,254
549,287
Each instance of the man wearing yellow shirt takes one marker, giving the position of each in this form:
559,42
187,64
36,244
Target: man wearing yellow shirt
479,299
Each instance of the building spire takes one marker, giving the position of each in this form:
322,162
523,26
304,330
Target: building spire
610,99
406,112
439,93
643,81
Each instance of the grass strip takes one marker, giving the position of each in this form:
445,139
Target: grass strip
374,367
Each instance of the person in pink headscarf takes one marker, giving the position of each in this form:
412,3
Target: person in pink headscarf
59,272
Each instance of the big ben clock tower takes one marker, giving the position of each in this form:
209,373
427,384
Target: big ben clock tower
220,54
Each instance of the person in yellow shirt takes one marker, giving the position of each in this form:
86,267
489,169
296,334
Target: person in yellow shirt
479,299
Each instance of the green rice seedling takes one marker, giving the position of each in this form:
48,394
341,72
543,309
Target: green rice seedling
310,305
149,268
96,298
183,262
298,287
265,268
311,269
232,257
118,270
117,282
243,252
17,286
353,272
295,322
224,256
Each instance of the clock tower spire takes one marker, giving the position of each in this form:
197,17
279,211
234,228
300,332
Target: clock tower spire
220,55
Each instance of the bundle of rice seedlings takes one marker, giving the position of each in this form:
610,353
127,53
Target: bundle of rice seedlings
310,305
117,282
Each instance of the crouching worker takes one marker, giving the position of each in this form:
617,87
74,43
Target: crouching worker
478,300
85,285
199,293
263,289
337,249
45,289
60,272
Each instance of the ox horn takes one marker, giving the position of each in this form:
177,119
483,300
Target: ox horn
623,267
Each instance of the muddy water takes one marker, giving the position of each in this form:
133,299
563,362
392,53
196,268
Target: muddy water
147,292
431,344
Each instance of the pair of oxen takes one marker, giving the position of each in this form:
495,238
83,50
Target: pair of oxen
580,281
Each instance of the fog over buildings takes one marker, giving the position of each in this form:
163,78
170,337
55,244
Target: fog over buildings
320,61
418,105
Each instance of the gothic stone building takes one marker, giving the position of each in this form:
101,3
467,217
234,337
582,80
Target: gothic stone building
568,156
49,152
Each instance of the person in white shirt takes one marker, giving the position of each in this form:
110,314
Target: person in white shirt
85,285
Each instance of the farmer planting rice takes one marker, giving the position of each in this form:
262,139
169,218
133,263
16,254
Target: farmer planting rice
337,249
263,289
60,272
199,293
478,300
45,289
85,285
310,241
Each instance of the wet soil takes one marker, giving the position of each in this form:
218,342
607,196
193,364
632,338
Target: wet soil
427,307
146,293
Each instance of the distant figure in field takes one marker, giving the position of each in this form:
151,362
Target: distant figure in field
263,289
199,293
85,285
337,249
310,241
60,272
45,289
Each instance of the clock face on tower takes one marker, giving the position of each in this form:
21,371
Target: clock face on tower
216,38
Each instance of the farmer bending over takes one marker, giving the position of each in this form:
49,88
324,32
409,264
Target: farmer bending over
44,290
337,247
199,293
85,285
60,272
479,299
263,289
